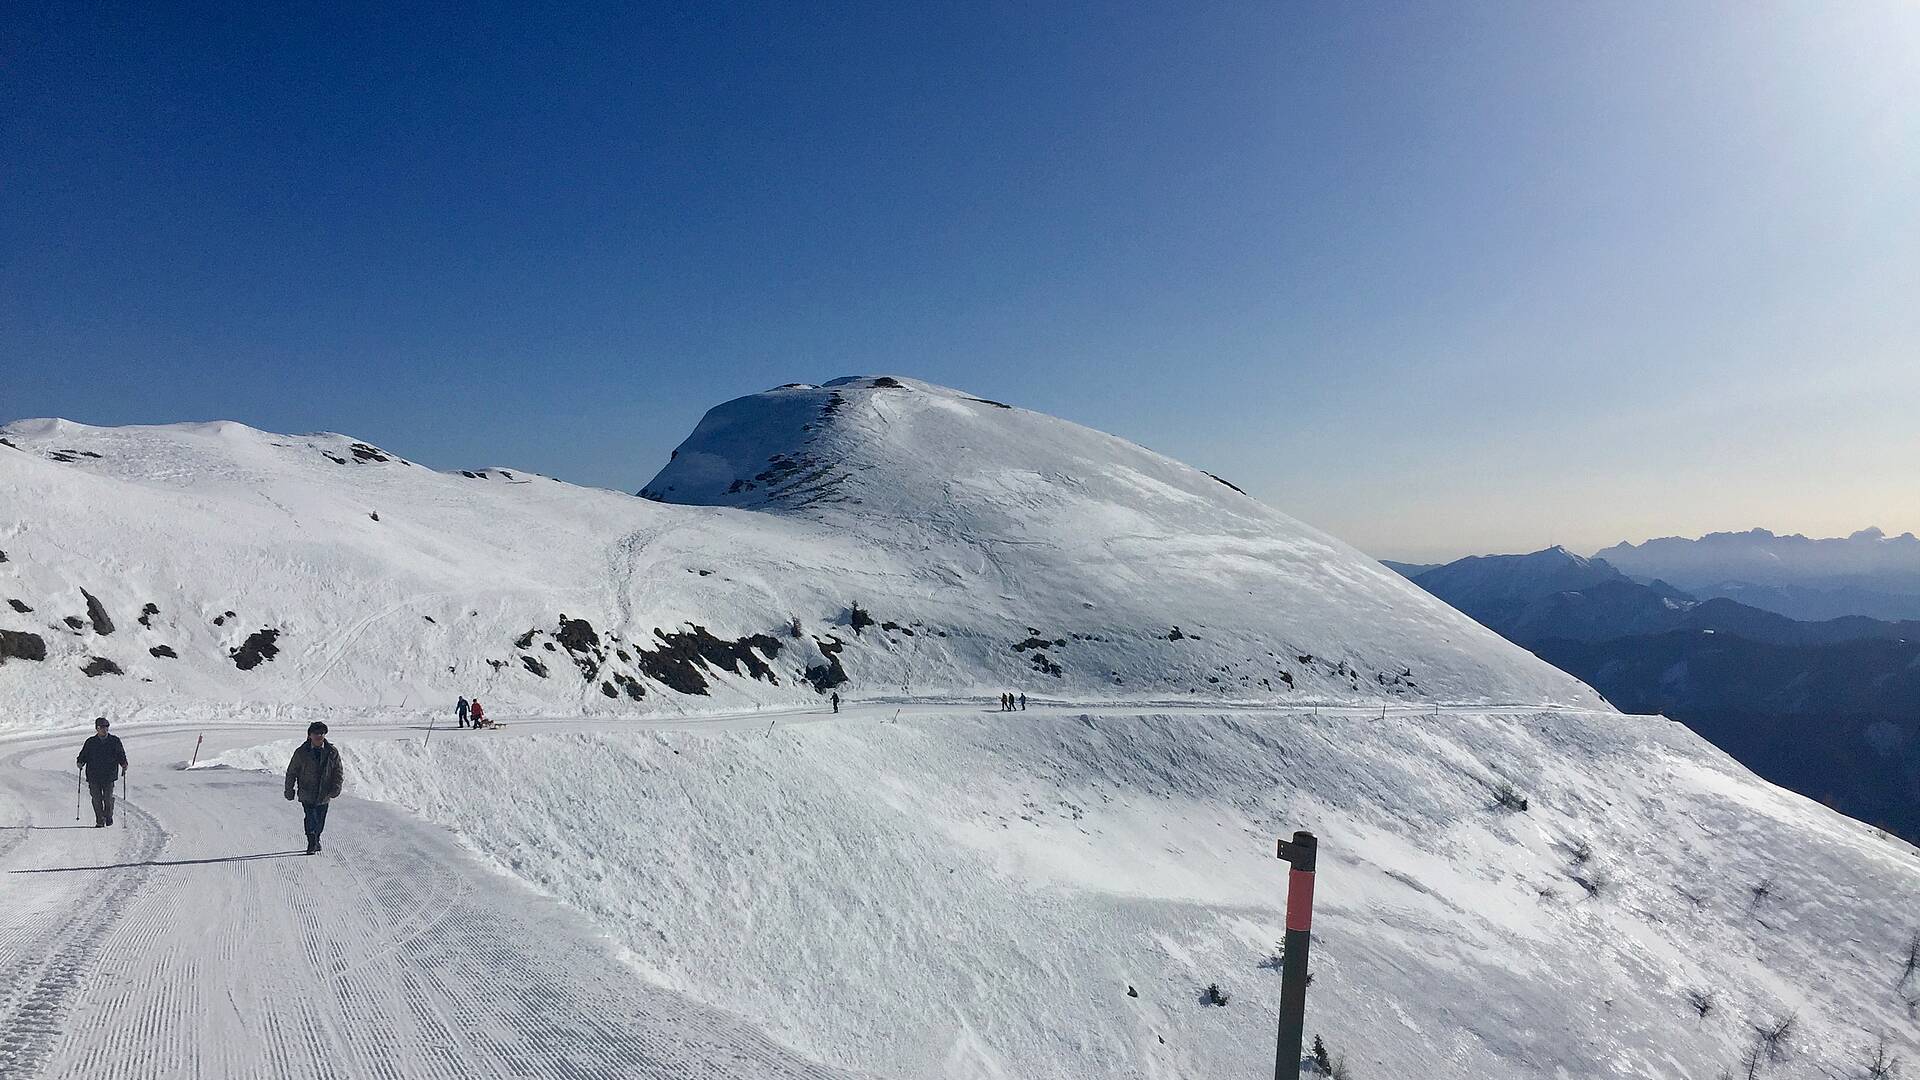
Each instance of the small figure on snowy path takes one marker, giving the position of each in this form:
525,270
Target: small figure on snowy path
836,701
105,761
315,775
477,715
1023,703
460,711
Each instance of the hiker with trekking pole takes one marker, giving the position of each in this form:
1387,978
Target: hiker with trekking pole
102,761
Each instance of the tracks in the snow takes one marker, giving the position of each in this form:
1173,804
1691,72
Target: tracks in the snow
48,942
392,955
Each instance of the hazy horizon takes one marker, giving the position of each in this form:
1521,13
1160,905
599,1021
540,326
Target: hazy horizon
1439,281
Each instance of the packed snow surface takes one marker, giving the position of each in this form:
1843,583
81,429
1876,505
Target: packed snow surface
950,893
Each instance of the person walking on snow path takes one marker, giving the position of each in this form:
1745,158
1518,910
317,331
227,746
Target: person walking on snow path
836,701
460,711
105,761
1023,703
476,715
315,776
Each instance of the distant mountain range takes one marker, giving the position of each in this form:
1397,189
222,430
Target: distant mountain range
1868,573
1830,708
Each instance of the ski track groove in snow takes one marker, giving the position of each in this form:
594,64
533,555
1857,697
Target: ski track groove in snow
391,955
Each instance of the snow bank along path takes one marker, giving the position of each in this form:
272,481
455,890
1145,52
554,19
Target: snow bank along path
191,940
964,893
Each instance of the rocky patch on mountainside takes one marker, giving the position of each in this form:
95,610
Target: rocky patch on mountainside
262,645
20,645
97,614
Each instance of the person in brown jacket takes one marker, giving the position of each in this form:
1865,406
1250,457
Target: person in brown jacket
315,776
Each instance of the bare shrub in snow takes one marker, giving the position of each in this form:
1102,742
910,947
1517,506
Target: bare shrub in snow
1213,995
1700,1000
1773,1036
1504,795
1594,880
1580,852
1276,959
1879,1063
1912,962
1760,891
1321,1060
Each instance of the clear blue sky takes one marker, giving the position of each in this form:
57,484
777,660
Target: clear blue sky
1440,278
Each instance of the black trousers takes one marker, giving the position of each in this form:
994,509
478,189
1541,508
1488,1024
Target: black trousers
316,818
102,802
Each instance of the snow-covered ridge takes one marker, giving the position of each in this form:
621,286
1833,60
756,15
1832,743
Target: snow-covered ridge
926,542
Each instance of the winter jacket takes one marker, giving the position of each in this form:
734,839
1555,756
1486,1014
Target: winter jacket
315,774
103,757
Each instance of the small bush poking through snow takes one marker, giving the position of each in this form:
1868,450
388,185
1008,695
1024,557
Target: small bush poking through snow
1504,795
1700,1000
1880,1064
1594,881
1912,962
1322,1062
1580,852
1213,995
1773,1036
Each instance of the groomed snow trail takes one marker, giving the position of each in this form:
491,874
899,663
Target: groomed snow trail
192,939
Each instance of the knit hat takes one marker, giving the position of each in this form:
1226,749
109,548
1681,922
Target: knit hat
316,728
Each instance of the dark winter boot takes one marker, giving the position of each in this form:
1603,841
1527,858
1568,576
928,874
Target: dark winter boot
313,843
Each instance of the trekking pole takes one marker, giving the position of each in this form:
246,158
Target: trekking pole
432,719
76,796
196,751
1302,851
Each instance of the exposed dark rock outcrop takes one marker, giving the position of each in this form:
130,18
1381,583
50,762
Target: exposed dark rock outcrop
577,635
630,684
97,614
364,453
100,665
1038,643
147,613
19,606
825,677
858,618
260,646
678,661
19,645
74,622
164,652
534,666
1227,482
607,690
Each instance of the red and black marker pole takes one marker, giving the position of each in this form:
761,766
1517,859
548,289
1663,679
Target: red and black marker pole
1302,852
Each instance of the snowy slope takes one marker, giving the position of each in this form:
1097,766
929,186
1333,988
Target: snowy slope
918,888
991,547
971,895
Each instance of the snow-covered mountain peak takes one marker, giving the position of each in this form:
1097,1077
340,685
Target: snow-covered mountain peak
925,539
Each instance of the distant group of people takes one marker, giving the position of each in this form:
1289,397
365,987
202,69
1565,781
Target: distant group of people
471,714
314,776
1010,703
